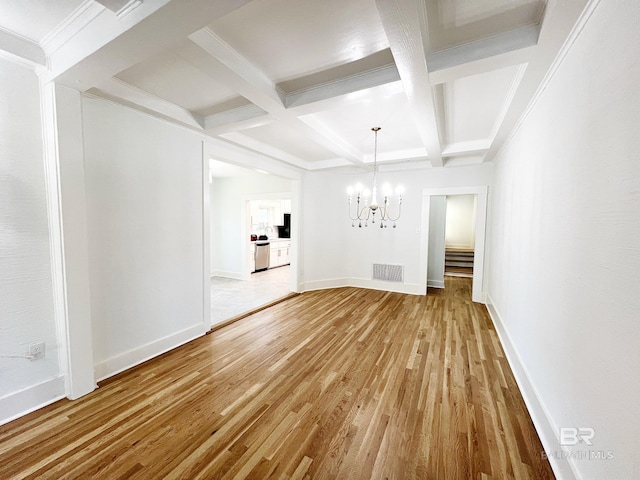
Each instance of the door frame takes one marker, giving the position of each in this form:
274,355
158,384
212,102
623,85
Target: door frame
481,192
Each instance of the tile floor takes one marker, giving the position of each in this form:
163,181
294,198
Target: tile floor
230,297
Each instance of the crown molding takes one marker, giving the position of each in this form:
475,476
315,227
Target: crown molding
71,26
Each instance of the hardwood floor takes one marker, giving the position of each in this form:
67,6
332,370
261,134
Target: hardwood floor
343,384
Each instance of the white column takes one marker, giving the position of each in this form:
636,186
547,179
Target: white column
64,159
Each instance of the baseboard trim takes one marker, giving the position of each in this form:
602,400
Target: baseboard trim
127,360
409,288
435,283
224,274
18,404
542,421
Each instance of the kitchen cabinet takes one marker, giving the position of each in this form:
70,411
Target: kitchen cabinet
280,253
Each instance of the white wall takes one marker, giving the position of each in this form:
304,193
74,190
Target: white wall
325,224
26,295
437,231
564,247
229,198
337,254
145,216
461,220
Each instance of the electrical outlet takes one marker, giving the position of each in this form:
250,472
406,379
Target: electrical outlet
36,350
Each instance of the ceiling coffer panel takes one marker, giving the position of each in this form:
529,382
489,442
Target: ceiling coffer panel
288,39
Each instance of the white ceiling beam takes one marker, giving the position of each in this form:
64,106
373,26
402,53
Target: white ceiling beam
265,149
120,7
71,26
404,22
505,49
126,94
348,99
416,164
236,119
504,60
230,68
107,45
343,86
399,155
340,147
220,149
227,65
466,148
332,163
21,49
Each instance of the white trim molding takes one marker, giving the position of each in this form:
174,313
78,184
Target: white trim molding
30,399
225,274
481,192
69,257
542,421
408,288
79,19
131,358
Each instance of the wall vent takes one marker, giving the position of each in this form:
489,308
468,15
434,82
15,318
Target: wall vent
388,273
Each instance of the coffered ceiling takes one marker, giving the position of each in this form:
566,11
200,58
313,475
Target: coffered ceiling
303,81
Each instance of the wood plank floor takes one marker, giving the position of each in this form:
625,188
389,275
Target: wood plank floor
341,384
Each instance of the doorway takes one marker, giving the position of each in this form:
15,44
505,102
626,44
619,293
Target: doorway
431,251
246,209
227,232
459,235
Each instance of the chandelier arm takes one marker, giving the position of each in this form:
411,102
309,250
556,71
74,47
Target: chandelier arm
399,213
350,216
361,214
358,211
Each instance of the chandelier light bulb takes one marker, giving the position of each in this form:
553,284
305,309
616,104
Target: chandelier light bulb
399,190
386,189
359,187
350,190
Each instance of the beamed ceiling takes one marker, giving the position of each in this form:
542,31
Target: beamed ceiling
303,81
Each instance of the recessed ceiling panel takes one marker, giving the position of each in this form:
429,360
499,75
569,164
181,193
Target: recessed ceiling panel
292,38
386,107
34,19
454,22
473,104
463,12
172,78
284,139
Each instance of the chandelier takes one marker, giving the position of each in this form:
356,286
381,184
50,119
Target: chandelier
365,209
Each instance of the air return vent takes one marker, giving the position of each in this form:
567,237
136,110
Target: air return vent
388,273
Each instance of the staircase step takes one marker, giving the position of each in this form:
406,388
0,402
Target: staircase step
460,258
458,264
